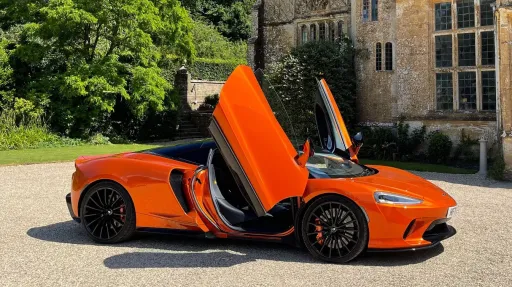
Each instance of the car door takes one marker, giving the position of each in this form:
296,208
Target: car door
332,130
261,157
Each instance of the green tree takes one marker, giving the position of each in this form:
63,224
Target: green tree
231,17
210,44
294,79
78,59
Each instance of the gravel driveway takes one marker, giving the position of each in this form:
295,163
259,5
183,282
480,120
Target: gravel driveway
40,245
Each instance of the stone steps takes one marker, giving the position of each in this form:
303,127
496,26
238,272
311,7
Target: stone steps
188,130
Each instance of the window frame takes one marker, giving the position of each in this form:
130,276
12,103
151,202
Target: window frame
437,48
313,32
378,57
375,10
478,68
304,34
366,10
389,64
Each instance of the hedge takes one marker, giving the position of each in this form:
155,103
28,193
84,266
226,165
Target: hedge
203,69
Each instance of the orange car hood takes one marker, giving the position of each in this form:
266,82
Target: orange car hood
394,180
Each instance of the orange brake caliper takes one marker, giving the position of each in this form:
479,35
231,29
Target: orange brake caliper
319,229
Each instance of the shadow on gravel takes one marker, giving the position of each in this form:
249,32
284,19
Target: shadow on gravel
191,252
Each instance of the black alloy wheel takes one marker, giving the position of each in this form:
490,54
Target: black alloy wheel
334,229
107,213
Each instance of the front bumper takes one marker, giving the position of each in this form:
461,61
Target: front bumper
437,232
70,208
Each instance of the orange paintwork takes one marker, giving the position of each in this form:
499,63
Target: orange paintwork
258,140
269,160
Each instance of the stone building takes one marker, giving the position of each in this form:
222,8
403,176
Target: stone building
440,63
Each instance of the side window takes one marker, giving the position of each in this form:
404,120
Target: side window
312,32
304,34
378,57
366,10
389,56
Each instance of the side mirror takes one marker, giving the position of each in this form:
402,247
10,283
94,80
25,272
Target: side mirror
358,140
307,152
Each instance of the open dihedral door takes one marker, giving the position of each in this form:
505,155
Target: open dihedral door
261,157
331,126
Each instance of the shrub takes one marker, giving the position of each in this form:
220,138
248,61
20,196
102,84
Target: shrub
212,69
210,44
99,139
465,149
439,148
379,143
497,168
212,100
28,133
201,68
294,79
408,142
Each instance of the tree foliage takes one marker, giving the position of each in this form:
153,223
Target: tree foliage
77,60
294,79
210,44
231,17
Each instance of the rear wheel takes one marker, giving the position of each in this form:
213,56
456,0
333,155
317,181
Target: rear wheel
334,229
107,213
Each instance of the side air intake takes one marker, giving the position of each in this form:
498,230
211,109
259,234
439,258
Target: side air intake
176,181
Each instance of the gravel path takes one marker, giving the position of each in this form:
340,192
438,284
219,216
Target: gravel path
40,246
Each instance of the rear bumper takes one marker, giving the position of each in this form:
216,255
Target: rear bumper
70,208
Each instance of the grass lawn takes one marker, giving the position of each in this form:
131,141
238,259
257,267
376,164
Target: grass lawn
420,166
63,154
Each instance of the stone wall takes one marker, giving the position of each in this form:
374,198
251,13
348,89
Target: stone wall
199,90
409,89
375,88
504,56
193,92
278,21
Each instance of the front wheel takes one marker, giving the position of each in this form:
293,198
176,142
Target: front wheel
107,213
334,229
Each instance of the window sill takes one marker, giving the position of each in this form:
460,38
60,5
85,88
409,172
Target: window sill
458,116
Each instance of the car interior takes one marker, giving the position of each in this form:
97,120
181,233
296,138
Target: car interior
229,200
236,210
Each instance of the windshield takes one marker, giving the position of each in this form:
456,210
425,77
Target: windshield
323,165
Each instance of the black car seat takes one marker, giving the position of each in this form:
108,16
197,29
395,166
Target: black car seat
234,215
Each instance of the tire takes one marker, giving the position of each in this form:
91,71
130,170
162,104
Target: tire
107,213
334,229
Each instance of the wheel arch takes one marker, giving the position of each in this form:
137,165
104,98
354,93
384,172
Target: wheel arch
90,185
307,201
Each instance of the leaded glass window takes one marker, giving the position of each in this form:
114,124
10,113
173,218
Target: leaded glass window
378,57
467,90
465,13
467,56
487,39
389,57
444,51
366,10
489,90
321,31
444,91
486,13
443,16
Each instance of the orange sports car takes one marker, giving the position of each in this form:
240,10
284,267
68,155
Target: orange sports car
252,181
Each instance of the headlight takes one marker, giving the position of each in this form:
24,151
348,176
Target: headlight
390,198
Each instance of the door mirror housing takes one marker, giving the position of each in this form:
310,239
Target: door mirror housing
307,152
358,140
